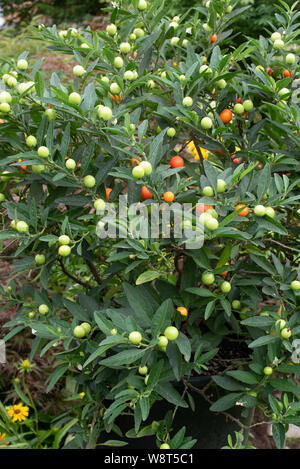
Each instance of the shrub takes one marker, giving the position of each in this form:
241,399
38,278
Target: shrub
222,300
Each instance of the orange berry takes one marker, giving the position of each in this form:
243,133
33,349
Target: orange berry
169,196
182,310
243,213
176,162
203,208
107,191
146,194
226,116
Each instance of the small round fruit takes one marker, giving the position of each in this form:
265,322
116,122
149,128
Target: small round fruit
142,5
187,101
278,44
146,194
138,172
40,259
2,197
22,227
87,327
114,88
99,204
22,64
43,152
225,287
212,224
226,116
268,370
135,337
5,97
239,109
31,315
74,98
208,191
165,446
50,113
125,47
207,278
221,186
12,82
182,310
89,181
4,107
286,333
150,84
281,323
118,62
290,59
43,309
169,196
143,370
113,331
147,167
31,141
176,162
70,164
236,304
162,341
106,113
260,210
129,75
206,123
244,212
64,240
221,84
248,105
78,71
270,212
171,333
174,40
64,250
171,132
295,285
38,168
111,29
79,332
275,36
139,32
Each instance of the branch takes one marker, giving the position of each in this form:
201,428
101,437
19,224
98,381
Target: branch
94,271
77,280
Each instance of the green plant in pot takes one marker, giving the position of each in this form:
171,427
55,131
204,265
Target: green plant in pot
158,207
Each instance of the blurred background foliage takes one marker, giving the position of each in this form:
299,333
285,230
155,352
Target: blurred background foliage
20,12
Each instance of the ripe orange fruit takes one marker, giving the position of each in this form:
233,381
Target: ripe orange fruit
134,160
226,116
182,310
239,101
169,196
176,162
146,194
287,74
214,38
244,212
107,191
203,208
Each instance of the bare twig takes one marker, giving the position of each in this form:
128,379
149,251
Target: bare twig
94,271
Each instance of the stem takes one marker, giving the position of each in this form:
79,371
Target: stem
94,271
77,280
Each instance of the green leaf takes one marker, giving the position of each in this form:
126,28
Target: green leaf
209,309
284,385
227,383
167,391
161,318
264,340
262,322
62,432
243,376
147,276
225,402
184,345
200,292
123,358
113,443
55,376
154,374
278,432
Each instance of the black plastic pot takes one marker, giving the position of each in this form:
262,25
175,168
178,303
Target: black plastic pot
210,429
